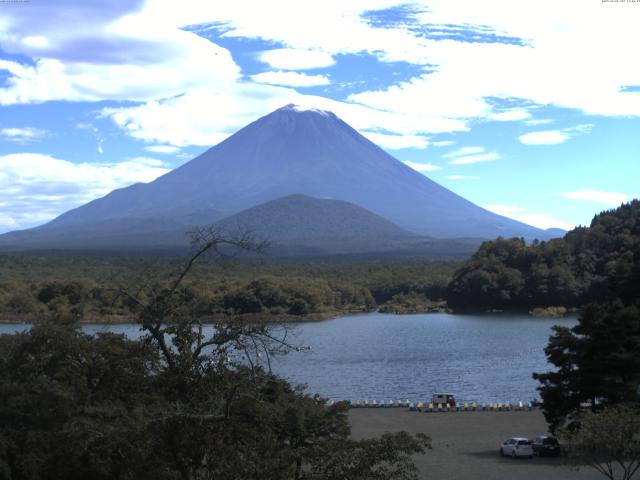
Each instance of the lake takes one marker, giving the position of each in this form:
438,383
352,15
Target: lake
482,358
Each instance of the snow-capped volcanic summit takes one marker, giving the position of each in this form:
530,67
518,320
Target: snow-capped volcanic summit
297,150
301,108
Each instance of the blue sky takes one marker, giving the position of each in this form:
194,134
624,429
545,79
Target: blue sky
529,109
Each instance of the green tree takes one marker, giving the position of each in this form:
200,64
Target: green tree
608,441
598,362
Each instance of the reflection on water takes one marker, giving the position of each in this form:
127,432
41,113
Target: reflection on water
483,358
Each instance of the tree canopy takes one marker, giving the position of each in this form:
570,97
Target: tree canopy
598,363
183,402
608,441
594,264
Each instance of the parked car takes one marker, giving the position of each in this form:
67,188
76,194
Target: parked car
546,446
516,447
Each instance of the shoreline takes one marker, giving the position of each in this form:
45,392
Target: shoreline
270,318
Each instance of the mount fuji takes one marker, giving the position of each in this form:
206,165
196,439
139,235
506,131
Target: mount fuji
289,152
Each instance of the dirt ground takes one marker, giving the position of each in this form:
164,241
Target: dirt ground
466,444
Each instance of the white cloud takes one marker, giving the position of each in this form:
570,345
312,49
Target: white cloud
522,215
612,199
124,56
428,96
545,137
469,155
23,135
35,188
443,143
291,79
147,161
539,121
296,59
461,177
139,51
167,149
99,137
553,137
397,142
202,117
465,74
422,167
510,116
464,151
481,157
207,116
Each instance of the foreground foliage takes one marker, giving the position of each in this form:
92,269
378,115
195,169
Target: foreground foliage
608,441
598,362
182,402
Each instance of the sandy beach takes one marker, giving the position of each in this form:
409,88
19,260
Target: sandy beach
466,444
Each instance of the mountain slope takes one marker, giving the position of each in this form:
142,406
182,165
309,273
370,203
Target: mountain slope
111,233
295,226
302,226
302,151
302,219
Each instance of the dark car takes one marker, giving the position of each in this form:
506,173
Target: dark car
546,446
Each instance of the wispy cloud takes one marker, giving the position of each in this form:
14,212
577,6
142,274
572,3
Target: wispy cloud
147,161
422,167
291,79
167,149
99,137
469,159
513,115
547,137
397,142
612,199
520,214
462,177
464,151
539,121
553,137
296,58
469,155
443,143
23,135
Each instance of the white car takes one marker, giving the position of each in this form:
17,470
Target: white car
516,447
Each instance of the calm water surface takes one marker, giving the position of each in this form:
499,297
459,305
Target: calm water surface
483,358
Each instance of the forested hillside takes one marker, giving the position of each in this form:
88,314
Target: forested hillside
88,287
590,264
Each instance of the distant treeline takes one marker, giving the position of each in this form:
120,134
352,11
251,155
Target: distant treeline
88,288
590,264
593,264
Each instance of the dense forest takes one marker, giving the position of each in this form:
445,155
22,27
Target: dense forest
89,287
590,264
